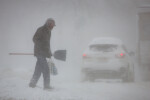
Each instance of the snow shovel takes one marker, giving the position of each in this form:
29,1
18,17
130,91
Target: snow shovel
58,54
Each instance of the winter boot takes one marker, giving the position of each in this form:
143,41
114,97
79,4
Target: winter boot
32,85
48,88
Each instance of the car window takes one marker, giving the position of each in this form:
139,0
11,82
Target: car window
103,47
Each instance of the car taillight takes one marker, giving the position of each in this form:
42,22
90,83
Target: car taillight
120,55
84,55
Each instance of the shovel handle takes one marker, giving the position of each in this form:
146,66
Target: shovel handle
58,54
21,54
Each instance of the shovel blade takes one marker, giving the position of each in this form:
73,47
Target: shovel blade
60,55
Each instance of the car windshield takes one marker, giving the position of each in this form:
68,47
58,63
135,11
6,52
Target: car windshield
103,47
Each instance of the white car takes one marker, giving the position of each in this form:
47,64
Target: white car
107,58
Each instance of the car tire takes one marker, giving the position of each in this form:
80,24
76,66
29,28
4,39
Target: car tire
129,77
84,77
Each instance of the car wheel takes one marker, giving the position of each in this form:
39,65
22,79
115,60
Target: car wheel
84,77
129,77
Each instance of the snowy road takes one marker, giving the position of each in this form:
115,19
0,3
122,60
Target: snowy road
14,86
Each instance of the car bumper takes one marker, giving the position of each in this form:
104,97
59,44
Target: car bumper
117,70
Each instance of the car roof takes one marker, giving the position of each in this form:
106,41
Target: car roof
106,40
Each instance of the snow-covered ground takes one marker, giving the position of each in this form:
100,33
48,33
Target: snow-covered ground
14,86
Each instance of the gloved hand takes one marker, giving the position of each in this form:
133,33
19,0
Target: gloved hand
50,61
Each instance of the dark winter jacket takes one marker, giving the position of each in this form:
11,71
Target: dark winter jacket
41,41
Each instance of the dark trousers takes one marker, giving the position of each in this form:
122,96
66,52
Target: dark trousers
41,68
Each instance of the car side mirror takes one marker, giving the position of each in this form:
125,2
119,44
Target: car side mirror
131,53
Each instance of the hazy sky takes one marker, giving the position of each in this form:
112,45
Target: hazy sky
77,23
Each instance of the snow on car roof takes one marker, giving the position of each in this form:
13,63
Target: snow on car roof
106,40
